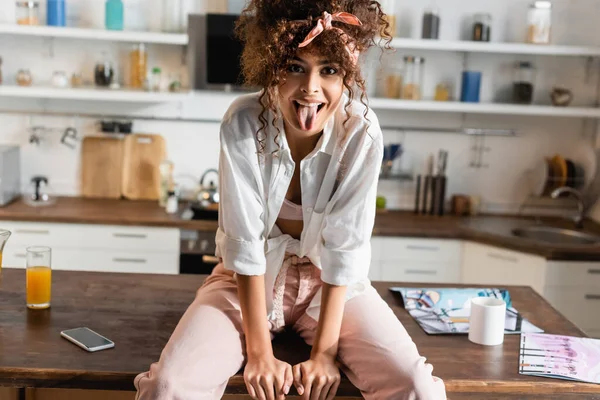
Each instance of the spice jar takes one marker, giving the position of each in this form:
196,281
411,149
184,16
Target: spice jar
156,81
24,77
413,77
482,27
28,12
539,22
523,85
431,23
393,81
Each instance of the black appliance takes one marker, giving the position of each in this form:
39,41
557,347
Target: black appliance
197,252
215,52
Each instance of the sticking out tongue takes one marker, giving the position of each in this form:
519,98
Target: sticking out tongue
307,116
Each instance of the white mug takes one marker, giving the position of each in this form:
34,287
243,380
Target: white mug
486,323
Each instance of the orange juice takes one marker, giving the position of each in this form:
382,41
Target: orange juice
39,281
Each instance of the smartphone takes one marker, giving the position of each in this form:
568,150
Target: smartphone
87,339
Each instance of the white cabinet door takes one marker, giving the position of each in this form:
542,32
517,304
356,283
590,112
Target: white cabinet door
488,265
376,253
416,271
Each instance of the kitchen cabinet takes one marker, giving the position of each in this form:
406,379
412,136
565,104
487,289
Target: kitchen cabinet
573,288
415,260
102,248
489,265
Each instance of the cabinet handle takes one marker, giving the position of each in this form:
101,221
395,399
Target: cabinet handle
130,260
593,271
130,235
592,296
420,272
20,255
210,259
33,231
422,247
503,257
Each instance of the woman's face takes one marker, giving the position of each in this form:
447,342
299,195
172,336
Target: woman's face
311,91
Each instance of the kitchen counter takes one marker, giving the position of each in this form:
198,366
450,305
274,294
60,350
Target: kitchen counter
490,230
139,318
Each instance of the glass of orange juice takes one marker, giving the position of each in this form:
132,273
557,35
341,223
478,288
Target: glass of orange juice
39,277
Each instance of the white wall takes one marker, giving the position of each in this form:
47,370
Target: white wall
194,146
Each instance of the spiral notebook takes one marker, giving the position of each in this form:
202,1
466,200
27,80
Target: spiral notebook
560,357
443,311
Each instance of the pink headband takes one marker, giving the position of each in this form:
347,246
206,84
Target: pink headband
325,23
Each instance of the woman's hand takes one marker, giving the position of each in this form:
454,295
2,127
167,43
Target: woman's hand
267,378
317,378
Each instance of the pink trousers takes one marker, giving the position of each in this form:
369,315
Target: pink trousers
207,346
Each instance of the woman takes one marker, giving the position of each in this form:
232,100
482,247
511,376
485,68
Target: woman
299,166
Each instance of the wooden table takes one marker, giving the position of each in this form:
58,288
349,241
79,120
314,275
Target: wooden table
139,313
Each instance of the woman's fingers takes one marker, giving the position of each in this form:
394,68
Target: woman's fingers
250,389
266,383
298,379
317,387
288,380
334,388
283,380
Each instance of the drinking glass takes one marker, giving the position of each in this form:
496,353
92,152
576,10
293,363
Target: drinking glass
39,277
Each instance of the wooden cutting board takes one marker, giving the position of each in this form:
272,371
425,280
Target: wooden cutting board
101,167
142,156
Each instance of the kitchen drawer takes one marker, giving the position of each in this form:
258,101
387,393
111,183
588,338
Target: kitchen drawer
150,239
101,260
414,271
83,236
579,305
423,250
116,261
573,274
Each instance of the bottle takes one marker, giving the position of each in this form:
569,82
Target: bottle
172,203
57,15
413,78
523,85
156,79
114,15
431,23
139,60
172,16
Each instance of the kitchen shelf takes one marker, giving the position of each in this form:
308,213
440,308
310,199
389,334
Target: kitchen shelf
95,34
92,94
484,108
494,47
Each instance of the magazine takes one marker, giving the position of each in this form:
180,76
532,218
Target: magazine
442,311
560,357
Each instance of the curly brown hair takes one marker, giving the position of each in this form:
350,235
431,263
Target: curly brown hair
271,31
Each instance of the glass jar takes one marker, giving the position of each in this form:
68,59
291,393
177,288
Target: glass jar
172,16
431,23
539,22
28,12
24,77
139,61
104,72
413,77
482,27
524,82
393,81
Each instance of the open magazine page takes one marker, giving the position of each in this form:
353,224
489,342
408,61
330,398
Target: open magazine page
562,357
446,310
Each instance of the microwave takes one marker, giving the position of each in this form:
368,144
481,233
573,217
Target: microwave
10,174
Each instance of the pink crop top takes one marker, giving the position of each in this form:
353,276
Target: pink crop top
290,211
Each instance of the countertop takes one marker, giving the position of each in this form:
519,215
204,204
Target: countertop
140,318
490,230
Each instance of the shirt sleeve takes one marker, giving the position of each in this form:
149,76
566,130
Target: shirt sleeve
240,236
348,226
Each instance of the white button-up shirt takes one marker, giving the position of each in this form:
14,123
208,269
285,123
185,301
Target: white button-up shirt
339,188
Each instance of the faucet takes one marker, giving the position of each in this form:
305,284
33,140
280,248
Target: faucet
580,203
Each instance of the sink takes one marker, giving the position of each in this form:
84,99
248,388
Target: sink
548,234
